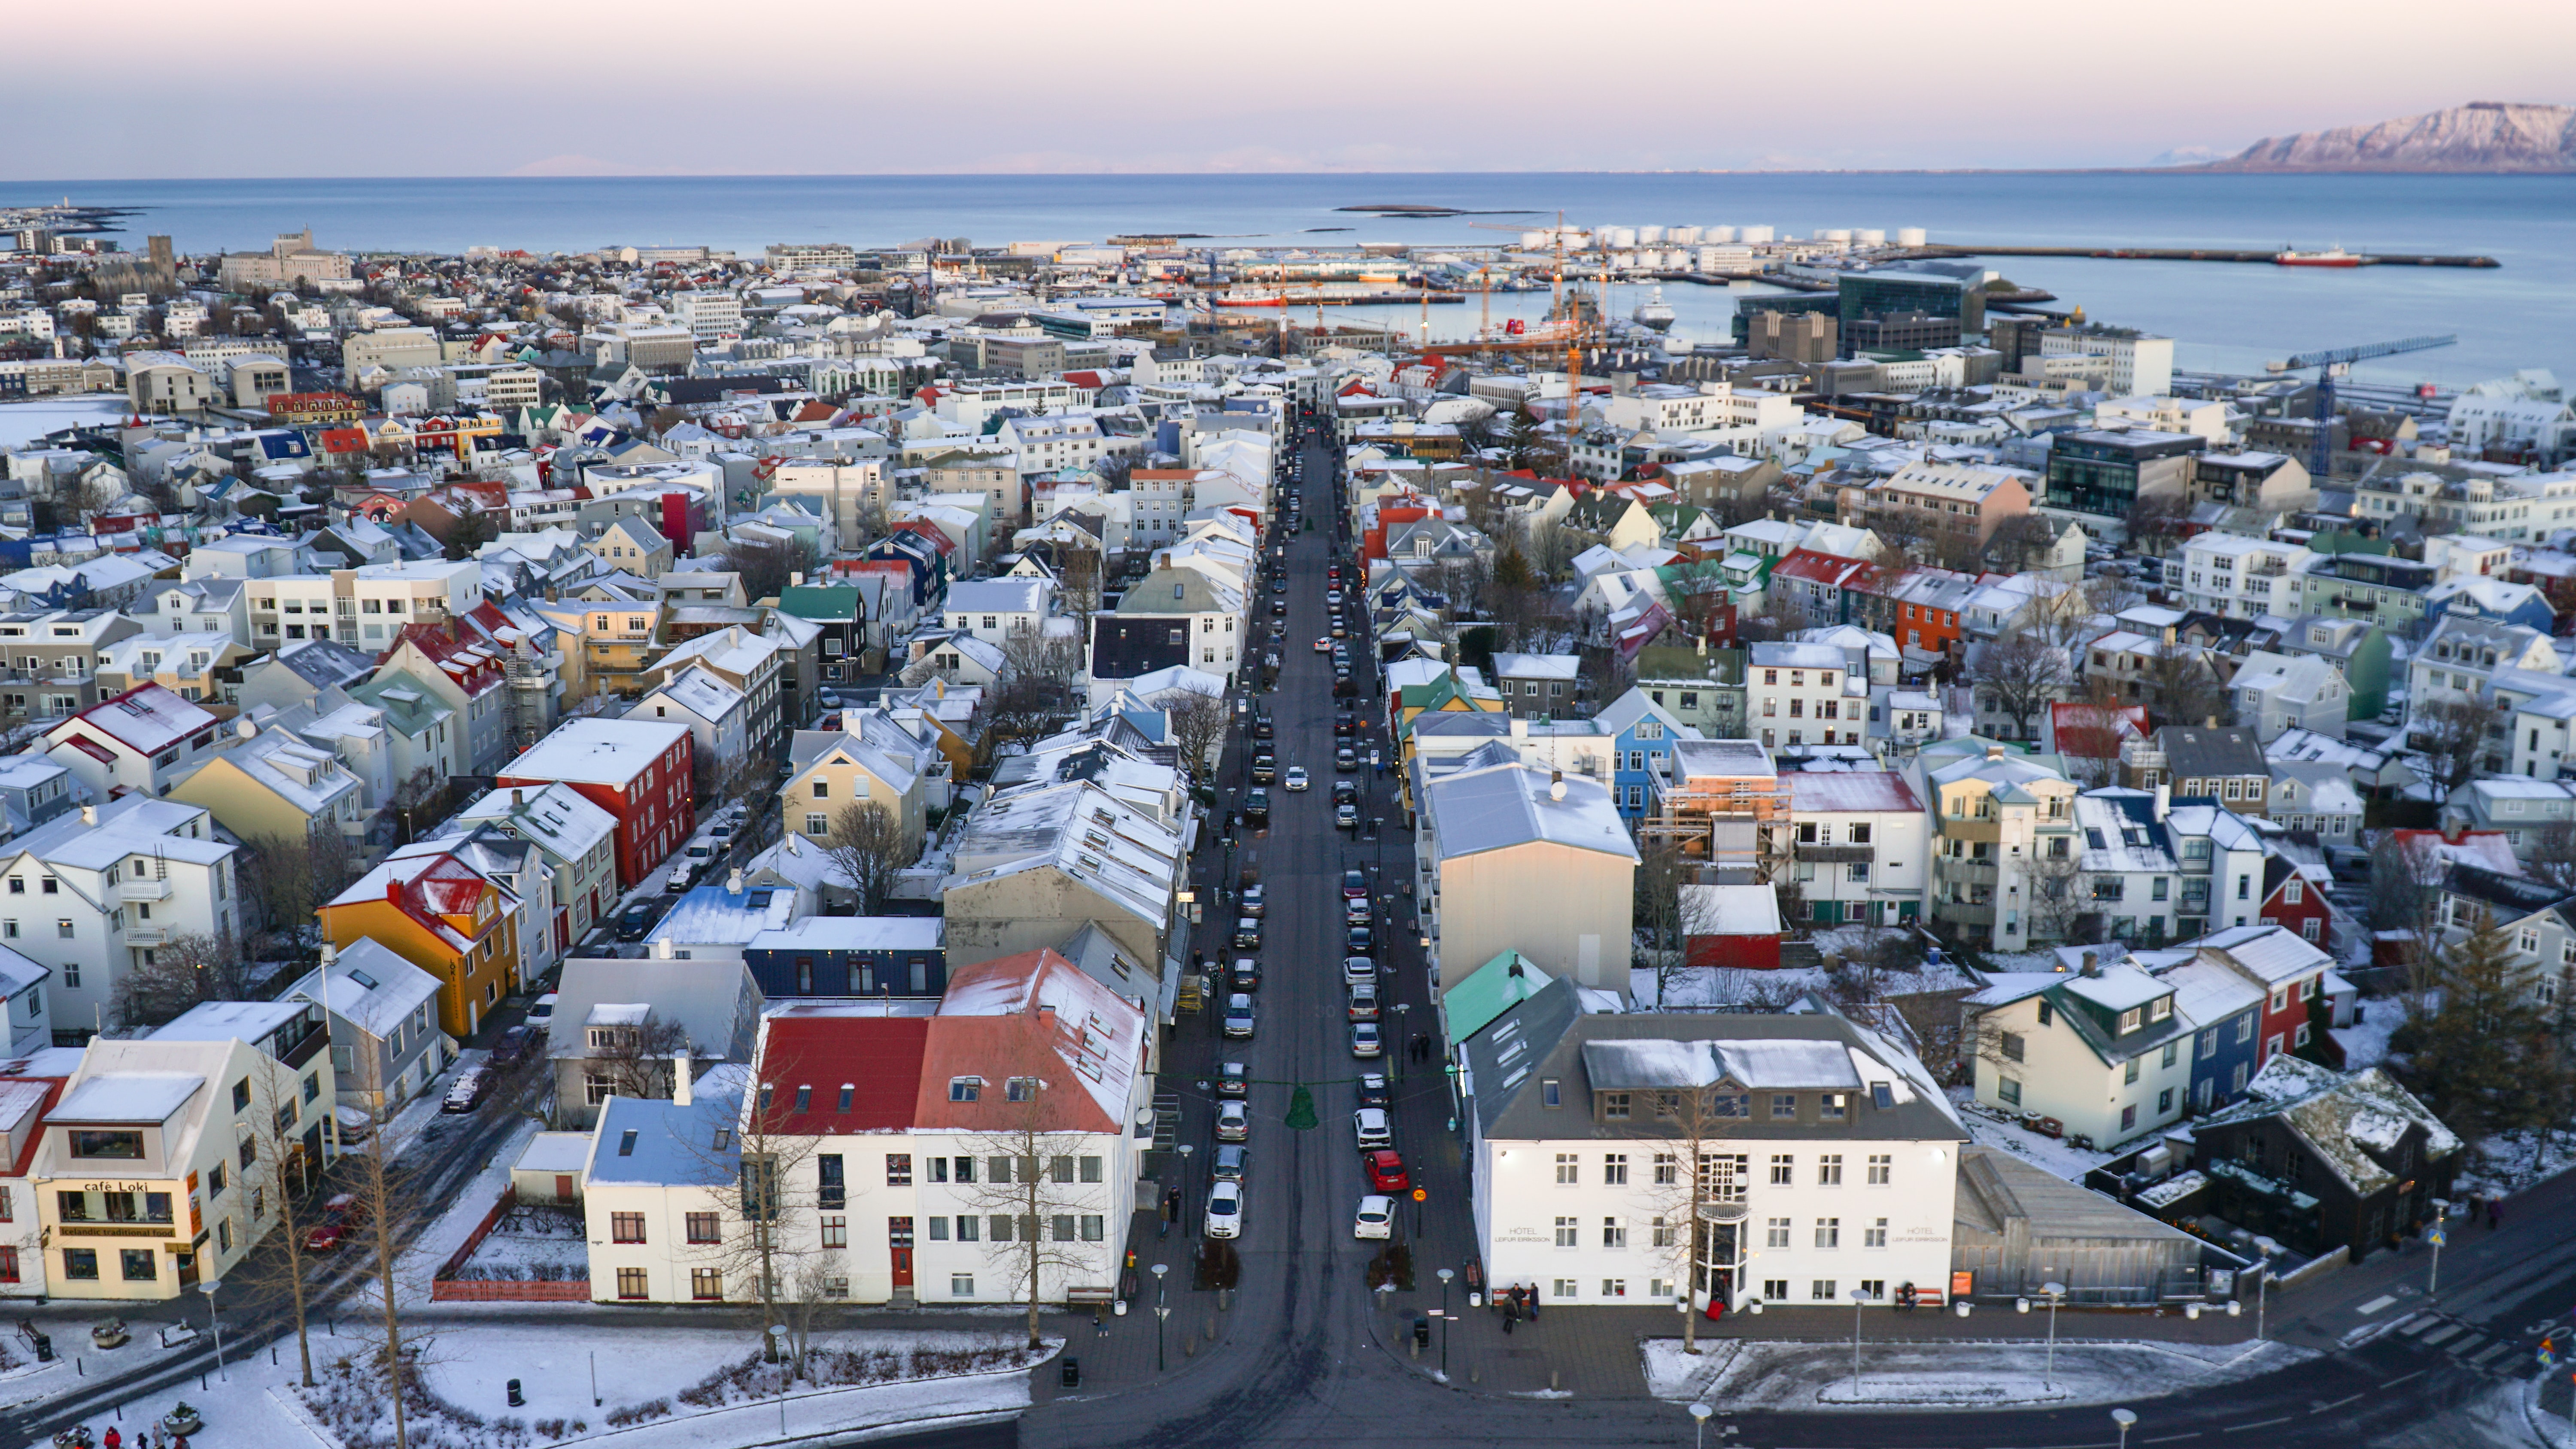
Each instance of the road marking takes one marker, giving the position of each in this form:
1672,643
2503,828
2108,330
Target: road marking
2265,1424
2492,1351
2401,1378
2337,1404
2419,1324
2169,1438
2376,1304
2447,1330
2464,1345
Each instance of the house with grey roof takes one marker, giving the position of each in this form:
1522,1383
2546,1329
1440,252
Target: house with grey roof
1512,858
621,1026
383,1013
1827,1157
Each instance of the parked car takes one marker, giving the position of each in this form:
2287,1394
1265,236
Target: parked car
1233,1079
1297,777
466,1092
1344,724
1264,769
637,920
512,1045
1247,934
1345,761
1347,792
1355,912
1354,885
1372,1089
1256,900
1362,1003
1238,1015
1231,1162
340,1217
1375,1219
1365,1041
1371,1125
1356,969
1346,816
1359,941
1225,1210
1247,973
1385,1168
1233,1122
1262,728
541,1012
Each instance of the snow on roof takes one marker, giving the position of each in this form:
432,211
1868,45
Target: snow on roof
145,719
368,986
2341,1118
597,751
2117,988
1505,805
2270,954
555,816
646,1143
1862,790
230,1020
127,1097
1730,910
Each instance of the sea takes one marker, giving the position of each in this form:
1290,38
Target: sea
2232,317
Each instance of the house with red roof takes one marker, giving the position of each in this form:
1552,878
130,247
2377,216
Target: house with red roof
934,1155
463,672
140,740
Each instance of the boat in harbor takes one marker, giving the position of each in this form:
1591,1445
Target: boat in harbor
1654,312
2330,257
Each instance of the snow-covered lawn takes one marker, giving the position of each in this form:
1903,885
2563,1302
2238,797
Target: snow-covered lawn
2365,1042
440,1240
2054,1154
1740,1374
539,1241
24,422
2511,1161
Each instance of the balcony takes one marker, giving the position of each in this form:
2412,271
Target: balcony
1965,872
1961,913
1836,854
147,935
155,889
1723,1211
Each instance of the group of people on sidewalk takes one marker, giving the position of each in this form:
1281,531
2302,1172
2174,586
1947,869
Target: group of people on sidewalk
1514,1301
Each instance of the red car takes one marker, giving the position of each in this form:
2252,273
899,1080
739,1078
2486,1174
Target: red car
1385,1171
1354,885
339,1216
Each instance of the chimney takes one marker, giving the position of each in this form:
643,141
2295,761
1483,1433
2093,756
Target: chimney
1994,752
1556,785
393,889
2164,801
89,815
514,799
2209,723
2092,964
330,953
733,882
795,579
680,1078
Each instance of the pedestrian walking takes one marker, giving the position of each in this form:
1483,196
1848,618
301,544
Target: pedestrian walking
2495,1213
114,1440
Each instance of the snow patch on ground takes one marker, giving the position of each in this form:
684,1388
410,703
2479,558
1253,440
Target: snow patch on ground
439,1241
2511,1161
2365,1042
1791,1377
24,422
2054,1154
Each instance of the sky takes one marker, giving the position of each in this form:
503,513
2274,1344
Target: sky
484,87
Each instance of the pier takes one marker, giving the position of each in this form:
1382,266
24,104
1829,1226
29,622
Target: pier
2183,254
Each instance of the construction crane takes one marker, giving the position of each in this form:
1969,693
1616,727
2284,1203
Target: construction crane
2336,363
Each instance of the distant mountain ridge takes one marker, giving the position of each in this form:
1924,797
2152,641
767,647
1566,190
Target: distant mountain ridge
2480,136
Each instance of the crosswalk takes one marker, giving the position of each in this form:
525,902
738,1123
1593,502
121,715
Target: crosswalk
2471,1347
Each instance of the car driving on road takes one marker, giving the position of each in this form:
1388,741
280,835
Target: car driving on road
1296,777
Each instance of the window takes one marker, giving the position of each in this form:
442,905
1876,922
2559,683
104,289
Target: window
1614,1106
1090,1168
1829,1170
1668,1169
1833,1107
2129,1020
1569,1171
2013,1045
1821,1290
1614,1287
1614,1234
1569,1233
1662,1234
1568,1288
1784,1105
961,1285
1875,1235
63,930
965,1089
706,1285
1020,1089
836,1230
2129,1071
2128,1116
1614,1169
970,1229
1784,1169
1551,1092
1881,1165
702,1228
1829,1232
2008,1091
1094,1228
2164,1101
626,1227
632,1284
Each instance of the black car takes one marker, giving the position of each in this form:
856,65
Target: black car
1262,728
1359,942
1256,806
512,1045
1279,606
1345,724
1346,792
1372,1089
637,920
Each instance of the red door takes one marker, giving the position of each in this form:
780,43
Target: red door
899,1244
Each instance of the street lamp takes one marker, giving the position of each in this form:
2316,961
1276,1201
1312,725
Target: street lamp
2441,1211
2124,1419
1860,1300
1445,1275
1699,1425
778,1334
1162,1315
1186,1150
2264,1247
208,1288
1403,1038
2055,1291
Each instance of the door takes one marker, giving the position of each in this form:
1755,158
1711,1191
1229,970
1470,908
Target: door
563,1187
899,1246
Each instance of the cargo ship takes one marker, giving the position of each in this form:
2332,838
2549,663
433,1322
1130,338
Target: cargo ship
2330,257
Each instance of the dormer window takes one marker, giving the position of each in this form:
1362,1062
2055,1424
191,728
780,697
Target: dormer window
965,1089
2160,1009
2129,1020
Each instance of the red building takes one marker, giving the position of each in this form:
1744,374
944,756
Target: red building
2297,901
1731,925
637,770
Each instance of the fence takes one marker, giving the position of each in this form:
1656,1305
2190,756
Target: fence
446,1287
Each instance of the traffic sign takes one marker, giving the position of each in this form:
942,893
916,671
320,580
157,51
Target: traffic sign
1419,1195
2435,1235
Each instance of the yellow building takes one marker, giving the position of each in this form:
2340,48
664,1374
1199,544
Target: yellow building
442,916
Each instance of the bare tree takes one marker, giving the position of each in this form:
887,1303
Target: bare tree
633,1059
779,1180
2023,673
2183,684
417,797
2155,519
1693,1192
1078,579
1029,1190
2056,894
1041,662
766,565
1199,724
384,1203
1662,870
289,877
2453,734
868,849
179,973
2553,855
2406,878
278,1164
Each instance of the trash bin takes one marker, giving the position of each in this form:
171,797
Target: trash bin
44,1347
1422,1332
1069,1373
516,1401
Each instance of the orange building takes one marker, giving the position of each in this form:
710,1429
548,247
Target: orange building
442,916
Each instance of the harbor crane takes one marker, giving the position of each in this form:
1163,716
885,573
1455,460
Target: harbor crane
2335,363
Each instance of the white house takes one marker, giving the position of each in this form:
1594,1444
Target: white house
2101,1050
1827,1158
95,893
1861,843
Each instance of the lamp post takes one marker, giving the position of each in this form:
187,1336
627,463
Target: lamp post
1860,1300
2055,1291
2124,1418
1162,1315
778,1334
2441,1212
208,1288
1699,1425
1403,1039
1186,1150
2264,1248
1445,1275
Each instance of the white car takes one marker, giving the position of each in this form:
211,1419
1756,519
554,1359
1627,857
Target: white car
1366,1043
1370,1124
1296,777
1233,1122
1356,969
1225,1210
1376,1218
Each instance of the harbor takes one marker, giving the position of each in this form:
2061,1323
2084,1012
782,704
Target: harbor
2334,257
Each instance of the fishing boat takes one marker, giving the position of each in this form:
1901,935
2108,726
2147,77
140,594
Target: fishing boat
2330,257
